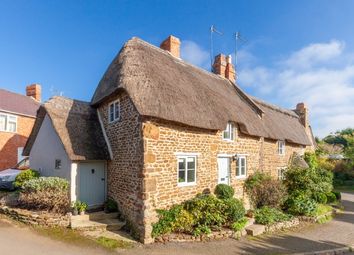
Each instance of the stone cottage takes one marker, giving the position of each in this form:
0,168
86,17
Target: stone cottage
17,116
164,130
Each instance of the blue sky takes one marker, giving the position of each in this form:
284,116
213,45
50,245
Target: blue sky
295,51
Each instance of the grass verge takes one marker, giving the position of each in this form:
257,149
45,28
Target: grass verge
112,244
74,237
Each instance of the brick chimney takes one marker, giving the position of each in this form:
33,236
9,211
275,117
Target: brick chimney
230,70
34,90
303,113
219,66
172,44
223,66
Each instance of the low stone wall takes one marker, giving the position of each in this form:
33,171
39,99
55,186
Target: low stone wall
36,218
282,225
215,235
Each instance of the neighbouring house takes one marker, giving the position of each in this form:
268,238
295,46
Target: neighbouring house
17,116
159,130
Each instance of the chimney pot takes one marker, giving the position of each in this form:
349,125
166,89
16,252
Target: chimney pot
172,44
34,90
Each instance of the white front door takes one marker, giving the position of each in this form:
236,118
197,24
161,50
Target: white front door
92,183
223,170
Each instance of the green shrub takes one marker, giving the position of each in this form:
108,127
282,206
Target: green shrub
234,210
207,210
300,203
224,191
264,191
320,198
166,219
337,194
311,160
331,197
239,225
25,176
111,205
308,180
268,215
46,193
200,230
255,179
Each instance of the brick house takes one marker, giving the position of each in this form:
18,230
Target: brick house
164,130
17,116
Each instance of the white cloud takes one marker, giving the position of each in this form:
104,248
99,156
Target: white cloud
310,75
194,54
315,53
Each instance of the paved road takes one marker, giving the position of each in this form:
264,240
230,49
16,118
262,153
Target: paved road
337,233
19,240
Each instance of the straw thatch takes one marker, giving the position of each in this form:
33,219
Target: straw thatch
77,126
168,88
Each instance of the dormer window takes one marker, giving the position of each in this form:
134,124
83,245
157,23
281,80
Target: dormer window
281,147
228,133
114,111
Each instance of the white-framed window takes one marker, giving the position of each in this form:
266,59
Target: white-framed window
8,123
228,133
58,164
186,170
114,111
241,167
281,173
281,147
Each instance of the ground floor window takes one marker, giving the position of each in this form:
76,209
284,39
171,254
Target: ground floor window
281,173
241,167
187,166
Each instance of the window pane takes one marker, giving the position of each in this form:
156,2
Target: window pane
190,176
2,122
181,176
111,112
238,169
226,135
117,111
12,127
191,163
181,164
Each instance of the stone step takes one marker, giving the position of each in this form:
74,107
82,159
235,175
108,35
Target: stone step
255,229
102,215
107,224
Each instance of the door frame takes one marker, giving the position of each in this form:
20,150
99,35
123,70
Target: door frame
105,181
229,157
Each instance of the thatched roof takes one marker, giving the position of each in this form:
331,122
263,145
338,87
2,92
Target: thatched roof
77,126
168,88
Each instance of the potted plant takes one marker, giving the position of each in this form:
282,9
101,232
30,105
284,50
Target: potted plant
75,208
82,208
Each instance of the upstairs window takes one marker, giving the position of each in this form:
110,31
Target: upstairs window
241,167
281,147
8,123
228,133
186,170
114,111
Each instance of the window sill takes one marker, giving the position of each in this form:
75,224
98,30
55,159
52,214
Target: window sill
11,132
241,177
181,185
113,121
228,140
